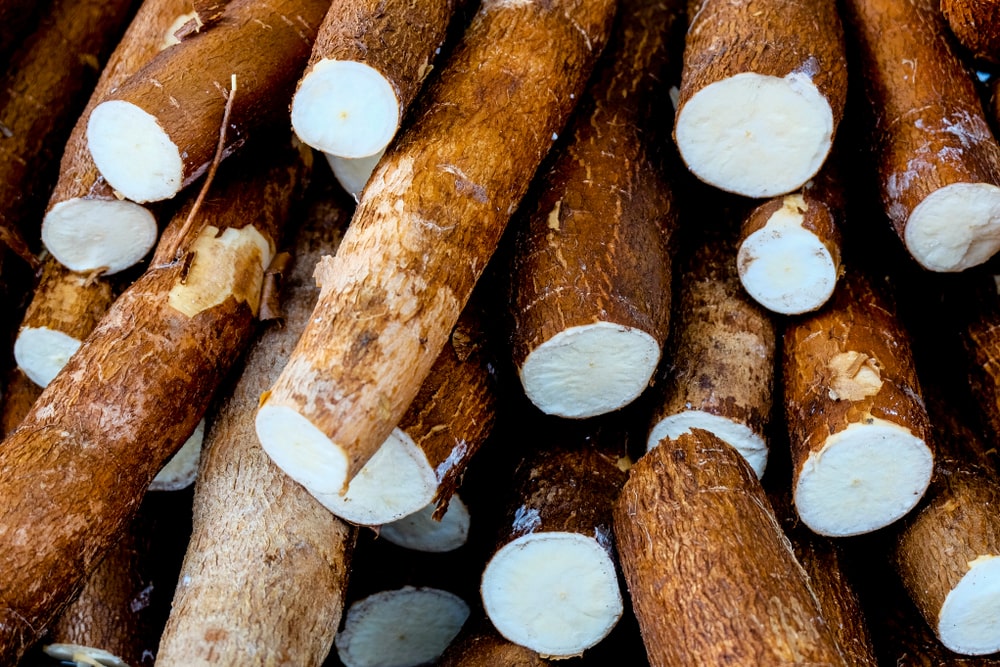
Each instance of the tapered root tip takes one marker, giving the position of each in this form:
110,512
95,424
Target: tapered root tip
969,622
555,593
756,135
301,450
345,108
956,227
590,370
740,437
98,234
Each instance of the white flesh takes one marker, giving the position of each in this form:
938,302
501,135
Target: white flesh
182,468
956,227
420,532
90,234
133,153
969,622
345,108
785,267
301,450
864,478
82,656
400,628
353,173
42,352
739,436
397,481
555,593
589,370
756,135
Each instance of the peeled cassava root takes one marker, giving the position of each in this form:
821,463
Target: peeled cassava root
428,222
591,286
938,162
762,92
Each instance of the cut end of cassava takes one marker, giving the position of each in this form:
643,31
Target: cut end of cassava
82,655
41,353
785,267
864,478
353,173
98,234
589,370
421,532
397,481
969,622
555,593
345,108
133,152
182,468
739,436
400,628
299,448
756,135
956,227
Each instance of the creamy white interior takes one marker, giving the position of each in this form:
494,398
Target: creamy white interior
83,655
955,227
756,135
400,628
300,449
353,173
133,152
420,532
345,108
864,478
969,621
41,353
741,437
182,468
555,593
589,370
90,234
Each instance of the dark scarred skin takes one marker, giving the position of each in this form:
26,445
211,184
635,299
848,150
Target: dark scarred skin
72,476
713,579
595,247
432,215
976,25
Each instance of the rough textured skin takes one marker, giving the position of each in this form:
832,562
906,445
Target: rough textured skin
432,215
185,87
19,394
595,246
877,378
976,25
72,476
69,302
981,342
483,646
267,565
930,131
713,579
721,359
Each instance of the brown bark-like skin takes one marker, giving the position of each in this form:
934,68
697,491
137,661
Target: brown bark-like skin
721,360
483,646
850,362
770,37
976,25
713,579
267,565
185,88
69,302
19,394
595,247
72,476
981,342
930,130
432,215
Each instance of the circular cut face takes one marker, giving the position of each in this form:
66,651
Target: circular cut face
589,370
345,108
421,532
73,653
955,227
555,593
97,234
41,353
844,489
300,449
969,622
741,437
755,135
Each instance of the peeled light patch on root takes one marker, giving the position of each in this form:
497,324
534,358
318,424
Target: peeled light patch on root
969,622
739,436
41,353
345,108
82,655
91,234
785,267
589,370
353,173
397,481
756,135
555,593
133,152
864,478
182,468
955,227
400,628
300,449
420,532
